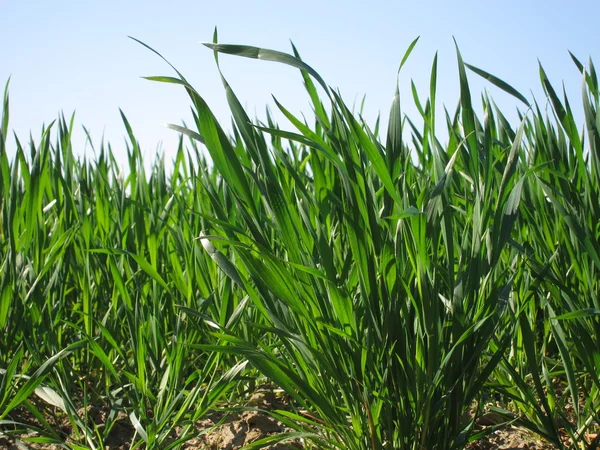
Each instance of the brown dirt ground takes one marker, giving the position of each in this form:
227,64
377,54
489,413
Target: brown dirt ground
234,430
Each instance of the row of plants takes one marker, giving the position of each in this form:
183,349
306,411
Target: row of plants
395,286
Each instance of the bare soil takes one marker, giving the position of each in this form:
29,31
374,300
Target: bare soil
223,431
220,431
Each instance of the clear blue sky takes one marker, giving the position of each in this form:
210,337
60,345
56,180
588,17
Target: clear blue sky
75,56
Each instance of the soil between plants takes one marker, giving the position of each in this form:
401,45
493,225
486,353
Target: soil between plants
240,430
228,430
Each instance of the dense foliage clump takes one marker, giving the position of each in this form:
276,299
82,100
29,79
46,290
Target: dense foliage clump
395,289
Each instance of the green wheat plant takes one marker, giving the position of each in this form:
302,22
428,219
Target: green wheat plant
384,280
554,363
96,266
396,285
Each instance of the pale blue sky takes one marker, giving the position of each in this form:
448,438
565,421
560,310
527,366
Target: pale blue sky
67,55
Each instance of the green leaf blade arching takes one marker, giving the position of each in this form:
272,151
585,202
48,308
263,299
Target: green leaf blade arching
499,83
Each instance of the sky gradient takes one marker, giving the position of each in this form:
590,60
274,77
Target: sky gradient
76,56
